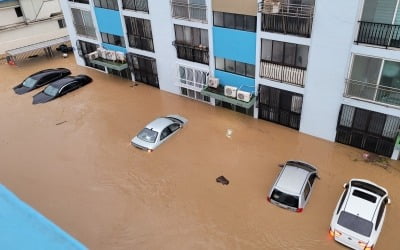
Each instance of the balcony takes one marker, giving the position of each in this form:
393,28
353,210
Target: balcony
86,31
372,92
192,53
292,19
218,94
191,12
282,73
380,34
140,42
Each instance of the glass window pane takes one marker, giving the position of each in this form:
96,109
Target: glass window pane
182,74
277,52
365,69
290,53
239,22
204,37
266,49
219,63
196,36
240,68
104,37
391,74
379,11
250,70
218,18
229,20
250,22
302,56
187,35
179,33
229,66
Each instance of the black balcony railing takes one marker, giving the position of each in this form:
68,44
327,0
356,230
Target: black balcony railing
85,31
282,73
293,19
381,34
191,12
372,92
138,5
192,53
140,42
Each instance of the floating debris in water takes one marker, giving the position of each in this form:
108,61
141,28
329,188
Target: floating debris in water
222,180
61,122
229,133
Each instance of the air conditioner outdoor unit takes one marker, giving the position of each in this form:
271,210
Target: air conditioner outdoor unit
111,55
243,96
213,82
93,55
120,56
102,53
230,91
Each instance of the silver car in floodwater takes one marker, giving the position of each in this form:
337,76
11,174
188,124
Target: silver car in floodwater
158,131
292,189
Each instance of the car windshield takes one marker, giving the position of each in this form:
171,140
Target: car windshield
51,91
355,223
285,199
148,135
29,82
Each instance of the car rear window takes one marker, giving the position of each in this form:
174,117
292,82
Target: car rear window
148,135
364,196
285,199
355,223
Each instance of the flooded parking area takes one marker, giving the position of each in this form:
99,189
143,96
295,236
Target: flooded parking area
71,159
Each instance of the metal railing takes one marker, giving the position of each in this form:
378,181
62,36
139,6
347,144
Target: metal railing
191,12
372,92
294,19
140,42
79,1
282,73
85,30
138,5
381,34
192,53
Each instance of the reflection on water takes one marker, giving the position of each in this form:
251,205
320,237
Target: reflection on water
71,159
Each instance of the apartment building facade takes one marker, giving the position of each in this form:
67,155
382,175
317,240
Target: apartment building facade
330,69
27,22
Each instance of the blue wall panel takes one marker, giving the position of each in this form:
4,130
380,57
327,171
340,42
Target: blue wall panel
109,21
235,45
241,82
113,47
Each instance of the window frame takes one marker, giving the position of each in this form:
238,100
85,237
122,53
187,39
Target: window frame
111,39
106,4
269,53
240,22
247,71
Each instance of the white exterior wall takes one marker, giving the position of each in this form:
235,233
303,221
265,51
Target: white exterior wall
39,9
329,57
8,16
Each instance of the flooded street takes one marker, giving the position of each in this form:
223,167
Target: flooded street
84,175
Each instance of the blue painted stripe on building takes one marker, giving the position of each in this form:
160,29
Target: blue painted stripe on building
235,45
241,82
22,227
109,21
113,47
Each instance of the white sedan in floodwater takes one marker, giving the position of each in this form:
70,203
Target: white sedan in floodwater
358,218
158,131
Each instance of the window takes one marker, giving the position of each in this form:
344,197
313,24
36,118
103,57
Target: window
83,23
193,77
18,11
174,127
380,214
235,21
61,23
80,1
144,68
106,4
165,133
191,36
139,33
113,39
288,54
194,94
342,199
138,5
235,67
307,190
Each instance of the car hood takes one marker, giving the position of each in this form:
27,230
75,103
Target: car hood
143,144
41,98
21,89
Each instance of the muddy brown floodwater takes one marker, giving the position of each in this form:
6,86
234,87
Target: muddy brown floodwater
84,175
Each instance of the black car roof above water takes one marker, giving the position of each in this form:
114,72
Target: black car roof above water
45,72
62,82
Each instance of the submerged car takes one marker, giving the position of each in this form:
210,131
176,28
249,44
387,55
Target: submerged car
60,88
40,79
292,189
158,131
358,218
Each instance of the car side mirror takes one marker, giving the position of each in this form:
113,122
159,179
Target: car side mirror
281,165
389,201
346,185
